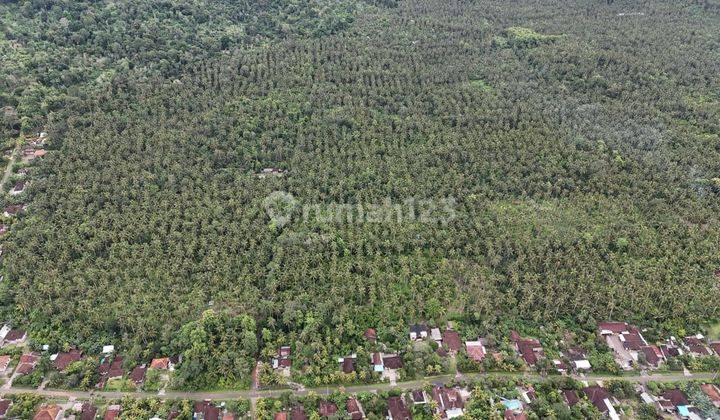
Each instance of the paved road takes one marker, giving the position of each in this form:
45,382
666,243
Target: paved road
252,394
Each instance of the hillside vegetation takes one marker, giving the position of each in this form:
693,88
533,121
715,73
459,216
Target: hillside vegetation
579,144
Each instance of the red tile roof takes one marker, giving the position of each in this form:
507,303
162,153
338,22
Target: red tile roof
348,365
63,360
652,355
397,409
393,362
4,405
161,363
675,396
138,374
15,335
711,391
597,395
327,409
47,412
452,340
571,397
370,335
475,351
353,408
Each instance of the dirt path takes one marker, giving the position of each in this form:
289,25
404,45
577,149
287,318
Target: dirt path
8,169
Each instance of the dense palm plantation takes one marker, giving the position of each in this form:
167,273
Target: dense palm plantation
579,142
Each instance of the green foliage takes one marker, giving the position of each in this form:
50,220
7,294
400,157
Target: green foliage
24,406
217,349
580,174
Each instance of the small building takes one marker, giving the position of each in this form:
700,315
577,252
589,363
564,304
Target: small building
4,407
112,412
602,400
418,332
88,411
529,349
370,335
377,362
449,402
61,361
348,365
27,364
18,189
712,392
625,340
206,410
15,337
162,363
49,412
436,335
14,210
137,375
653,355
4,363
418,397
397,410
695,345
108,349
353,408
327,409
451,339
476,350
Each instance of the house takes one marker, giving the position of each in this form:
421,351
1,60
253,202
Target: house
27,364
298,413
281,415
282,361
436,335
560,366
625,340
418,397
108,349
15,337
162,363
327,409
48,412
578,359
513,409
13,210
23,172
88,412
475,350
529,349
418,332
39,153
602,400
676,397
112,412
370,335
397,410
696,345
4,407
671,348
348,365
715,346
653,355
377,362
449,402
353,408
571,397
61,361
712,392
452,341
392,362
206,410
137,375
19,188
4,362
110,370
270,172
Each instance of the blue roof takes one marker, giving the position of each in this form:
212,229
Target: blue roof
683,410
512,404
